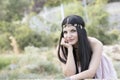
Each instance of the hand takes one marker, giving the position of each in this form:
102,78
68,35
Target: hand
65,43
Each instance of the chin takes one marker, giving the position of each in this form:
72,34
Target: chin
72,43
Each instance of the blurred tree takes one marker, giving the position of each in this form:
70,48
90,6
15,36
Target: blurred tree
98,23
24,35
11,14
113,0
13,9
53,3
77,9
38,5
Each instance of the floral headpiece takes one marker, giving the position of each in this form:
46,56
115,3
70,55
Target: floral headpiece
79,25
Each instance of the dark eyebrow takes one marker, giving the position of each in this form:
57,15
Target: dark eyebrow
73,29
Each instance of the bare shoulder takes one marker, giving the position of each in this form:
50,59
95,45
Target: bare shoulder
94,41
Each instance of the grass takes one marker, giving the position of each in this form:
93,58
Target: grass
117,67
5,61
34,63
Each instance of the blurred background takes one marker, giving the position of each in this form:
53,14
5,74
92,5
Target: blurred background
30,30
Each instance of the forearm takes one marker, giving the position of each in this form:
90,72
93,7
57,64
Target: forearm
88,74
70,64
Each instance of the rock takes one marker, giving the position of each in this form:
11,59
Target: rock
113,51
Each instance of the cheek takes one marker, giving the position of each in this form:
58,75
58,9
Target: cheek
76,35
64,36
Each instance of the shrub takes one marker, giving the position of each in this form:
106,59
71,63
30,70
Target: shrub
5,61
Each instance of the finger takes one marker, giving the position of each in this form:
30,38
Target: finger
66,41
63,42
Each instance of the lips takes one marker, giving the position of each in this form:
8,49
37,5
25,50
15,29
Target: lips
70,40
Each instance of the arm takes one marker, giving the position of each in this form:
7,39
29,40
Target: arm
96,46
68,68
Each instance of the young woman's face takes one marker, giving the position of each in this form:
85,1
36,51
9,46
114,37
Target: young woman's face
70,34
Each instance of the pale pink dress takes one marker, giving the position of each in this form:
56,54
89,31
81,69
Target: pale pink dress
106,70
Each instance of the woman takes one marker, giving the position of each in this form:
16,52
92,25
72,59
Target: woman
81,56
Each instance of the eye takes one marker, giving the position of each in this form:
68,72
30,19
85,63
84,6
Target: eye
64,32
73,30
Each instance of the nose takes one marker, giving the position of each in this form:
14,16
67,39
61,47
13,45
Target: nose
69,35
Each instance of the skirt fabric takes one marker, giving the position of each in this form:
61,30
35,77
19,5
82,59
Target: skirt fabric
106,69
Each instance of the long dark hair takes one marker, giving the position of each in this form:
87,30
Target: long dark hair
84,50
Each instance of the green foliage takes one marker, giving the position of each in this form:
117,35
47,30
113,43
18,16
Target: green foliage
5,30
44,64
77,8
25,36
22,33
113,0
12,12
34,63
6,27
113,36
13,9
97,25
4,42
5,61
53,3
